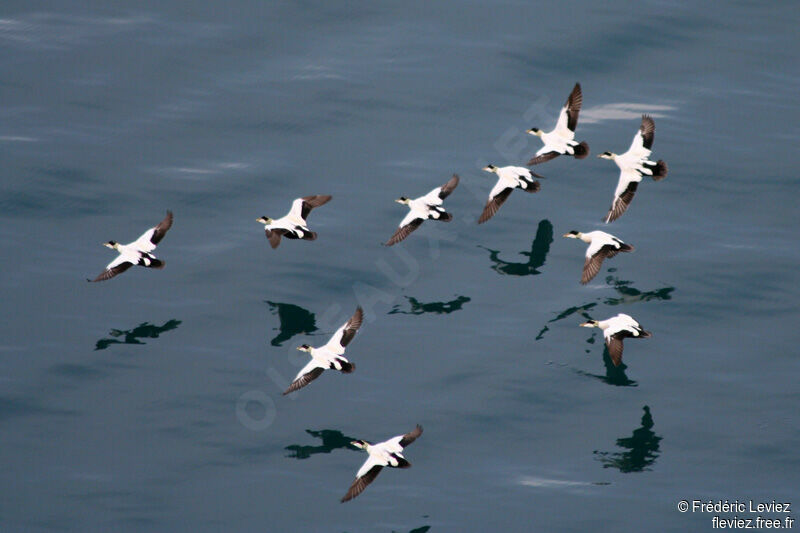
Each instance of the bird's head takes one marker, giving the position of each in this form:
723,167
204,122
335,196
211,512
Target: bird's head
590,324
264,220
111,244
607,155
304,348
402,200
360,444
490,168
534,131
573,235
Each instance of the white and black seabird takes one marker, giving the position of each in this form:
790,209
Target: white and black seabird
329,356
138,252
561,141
293,225
601,246
424,208
633,165
386,453
508,179
615,329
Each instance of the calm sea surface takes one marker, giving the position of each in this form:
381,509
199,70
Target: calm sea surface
152,402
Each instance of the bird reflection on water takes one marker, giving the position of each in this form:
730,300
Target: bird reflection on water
437,308
294,320
627,295
145,330
540,247
641,448
332,439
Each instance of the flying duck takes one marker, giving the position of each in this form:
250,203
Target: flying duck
423,208
615,329
633,165
601,245
561,141
293,225
508,179
137,252
331,355
386,453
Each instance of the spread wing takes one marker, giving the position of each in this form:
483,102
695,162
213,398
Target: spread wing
404,231
309,373
117,266
568,118
301,207
493,204
621,200
342,337
149,239
411,436
543,158
361,482
614,343
593,263
448,187
643,140
274,236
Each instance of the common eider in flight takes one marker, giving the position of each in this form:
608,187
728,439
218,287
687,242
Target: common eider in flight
601,245
423,208
508,179
386,453
329,356
615,329
138,252
633,165
561,141
293,225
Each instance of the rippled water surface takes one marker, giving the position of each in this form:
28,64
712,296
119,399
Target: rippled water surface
152,402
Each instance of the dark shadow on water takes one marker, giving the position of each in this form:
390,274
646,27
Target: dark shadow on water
145,330
438,308
581,309
331,440
627,295
641,448
294,321
536,257
615,375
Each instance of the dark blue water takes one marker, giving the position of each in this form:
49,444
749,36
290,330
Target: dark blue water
152,402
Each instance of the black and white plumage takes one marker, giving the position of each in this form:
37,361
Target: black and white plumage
293,225
601,246
508,179
561,141
633,165
138,252
329,356
424,208
387,453
615,329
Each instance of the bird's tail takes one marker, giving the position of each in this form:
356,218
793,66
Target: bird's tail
402,462
347,366
533,186
444,216
624,247
155,263
645,334
581,151
659,169
309,236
